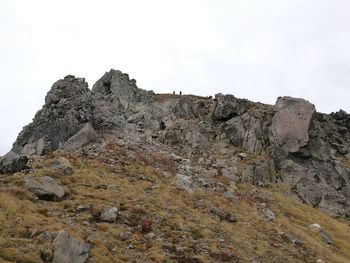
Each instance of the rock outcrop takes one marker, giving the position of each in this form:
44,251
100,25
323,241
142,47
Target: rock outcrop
68,107
241,140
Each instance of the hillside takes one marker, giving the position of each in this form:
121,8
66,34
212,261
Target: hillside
119,174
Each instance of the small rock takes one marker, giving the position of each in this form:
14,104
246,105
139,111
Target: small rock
149,236
316,227
230,195
69,250
109,214
320,261
326,238
48,189
167,174
62,164
243,155
85,207
296,242
184,182
125,236
46,236
270,215
223,215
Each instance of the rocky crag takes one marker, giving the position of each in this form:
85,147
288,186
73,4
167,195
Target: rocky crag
245,141
116,164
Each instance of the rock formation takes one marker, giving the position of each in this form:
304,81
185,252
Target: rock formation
244,141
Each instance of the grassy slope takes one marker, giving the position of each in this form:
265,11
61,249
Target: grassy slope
185,229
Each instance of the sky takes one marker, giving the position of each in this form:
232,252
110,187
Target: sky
252,49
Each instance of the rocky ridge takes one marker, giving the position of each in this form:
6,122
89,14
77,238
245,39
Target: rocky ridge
199,143
301,147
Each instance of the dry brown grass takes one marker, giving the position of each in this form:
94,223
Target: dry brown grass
181,222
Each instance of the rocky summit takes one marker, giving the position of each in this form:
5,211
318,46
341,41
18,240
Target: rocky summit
120,174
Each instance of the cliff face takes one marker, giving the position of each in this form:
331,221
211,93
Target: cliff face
288,143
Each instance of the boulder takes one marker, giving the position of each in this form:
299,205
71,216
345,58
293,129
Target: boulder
12,163
36,148
48,189
86,135
184,182
290,123
63,165
109,214
69,250
223,215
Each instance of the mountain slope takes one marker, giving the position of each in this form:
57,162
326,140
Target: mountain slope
119,174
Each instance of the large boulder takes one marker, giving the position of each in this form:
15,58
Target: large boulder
12,163
48,189
290,124
86,135
69,250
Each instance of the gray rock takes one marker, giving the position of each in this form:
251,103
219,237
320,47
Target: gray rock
270,215
121,90
262,173
167,174
149,236
184,182
231,173
326,238
62,164
68,106
247,132
227,107
223,215
12,163
291,122
36,148
84,207
184,108
48,189
86,135
109,214
69,250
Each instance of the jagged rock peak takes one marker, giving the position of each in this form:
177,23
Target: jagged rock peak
117,84
68,106
66,88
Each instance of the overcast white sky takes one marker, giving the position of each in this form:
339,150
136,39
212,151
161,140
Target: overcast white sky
255,49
